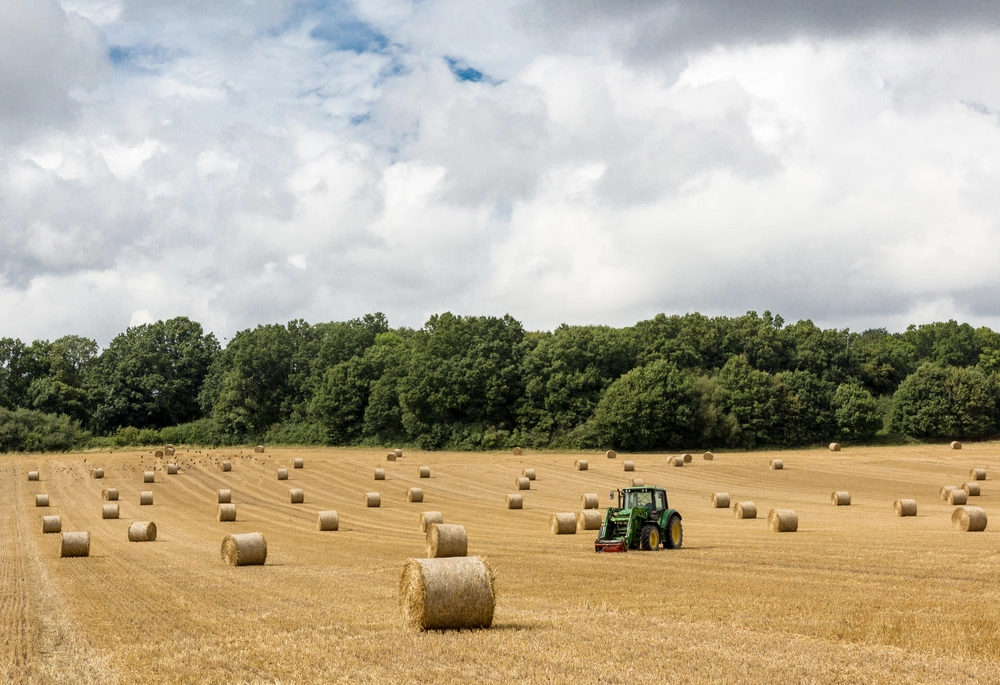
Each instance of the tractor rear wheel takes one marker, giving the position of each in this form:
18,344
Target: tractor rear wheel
649,538
675,533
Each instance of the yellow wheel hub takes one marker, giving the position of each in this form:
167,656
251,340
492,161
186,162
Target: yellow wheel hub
675,532
654,539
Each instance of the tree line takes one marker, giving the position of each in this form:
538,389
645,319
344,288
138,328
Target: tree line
482,382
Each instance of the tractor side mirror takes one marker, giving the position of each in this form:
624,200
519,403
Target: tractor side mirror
611,495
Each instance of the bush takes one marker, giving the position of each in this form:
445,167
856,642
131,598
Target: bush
27,430
945,403
296,433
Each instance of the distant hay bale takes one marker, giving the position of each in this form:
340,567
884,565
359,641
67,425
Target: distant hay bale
158,454
687,458
517,451
956,445
32,475
379,474
971,489
171,469
168,452
946,489
296,496
581,465
589,501
149,477
414,495
776,465
75,545
783,521
227,512
529,474
629,465
977,474
514,502
41,500
244,549
424,472
637,483
97,473
51,524
745,510
109,511
834,446
523,483
398,452
142,531
390,457
225,496
708,456
957,496
226,466
297,463
905,507
429,517
259,449
446,540
373,499
110,494
169,447
282,474
447,594
720,500
969,519
145,498
677,461
563,524
611,454
841,498
589,519
327,520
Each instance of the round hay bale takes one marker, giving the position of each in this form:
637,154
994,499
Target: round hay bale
783,521
244,549
424,472
977,474
168,452
708,456
41,500
523,483
169,447
611,454
969,519
517,452
589,519
297,463
720,500
529,474
32,475
282,474
226,466
957,496
589,501
905,507
429,517
677,461
142,531
109,511
225,496
148,477
379,474
629,465
447,594
110,494
841,498
414,495
637,482
745,510
398,452
373,499
834,446
563,524
776,465
259,449
446,540
145,498
581,464
687,458
171,469
97,473
327,520
971,489
956,445
514,502
158,454
945,490
51,524
227,512
75,545
296,496
390,457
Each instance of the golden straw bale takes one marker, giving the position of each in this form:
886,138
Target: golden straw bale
51,524
158,454
956,445
446,540
776,465
424,472
945,490
109,511
783,521
563,524
905,507
97,473
168,452
841,498
379,474
834,446
687,458
398,452
589,501
171,469
441,594
327,520
677,461
629,465
745,510
429,517
149,477
637,483
611,454
227,512
529,474
414,495
523,483
708,456
226,466
390,457
244,549
514,502
225,496
297,463
32,475
282,474
145,498
957,496
296,496
517,452
373,499
720,500
142,531
977,474
971,489
41,500
969,519
589,519
75,545
259,449
110,494
581,465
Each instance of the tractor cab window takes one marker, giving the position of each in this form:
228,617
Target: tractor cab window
642,498
660,499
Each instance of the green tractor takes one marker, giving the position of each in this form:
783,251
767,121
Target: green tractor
642,520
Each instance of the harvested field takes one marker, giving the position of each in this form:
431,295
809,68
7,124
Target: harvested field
864,595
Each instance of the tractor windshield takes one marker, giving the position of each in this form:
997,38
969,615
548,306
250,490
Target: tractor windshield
638,498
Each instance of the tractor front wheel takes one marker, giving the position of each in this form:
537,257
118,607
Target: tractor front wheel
675,533
649,539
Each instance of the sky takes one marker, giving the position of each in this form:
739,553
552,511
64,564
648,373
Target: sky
243,162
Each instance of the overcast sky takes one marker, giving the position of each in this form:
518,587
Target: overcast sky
256,161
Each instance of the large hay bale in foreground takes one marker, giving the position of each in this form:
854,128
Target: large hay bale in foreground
969,519
110,494
523,483
905,507
373,499
227,512
32,475
563,524
841,498
109,511
244,549
148,476
327,520
414,495
977,474
581,465
379,474
446,540
282,474
971,489
226,466
514,502
957,496
745,510
225,496
677,461
956,445
145,498
611,454
783,521
442,594
259,449
142,531
51,524
687,458
708,456
97,473
391,456
589,519
629,465
41,500
834,446
589,501
75,545
517,452
296,496
637,483
945,490
297,463
529,474
424,472
776,465
720,500
429,517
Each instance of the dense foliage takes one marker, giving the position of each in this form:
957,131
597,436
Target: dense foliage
482,382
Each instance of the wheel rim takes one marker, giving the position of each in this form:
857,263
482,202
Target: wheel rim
654,539
675,533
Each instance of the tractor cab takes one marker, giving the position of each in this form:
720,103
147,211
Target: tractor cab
643,519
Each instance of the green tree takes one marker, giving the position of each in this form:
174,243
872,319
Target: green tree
856,413
939,402
751,397
804,413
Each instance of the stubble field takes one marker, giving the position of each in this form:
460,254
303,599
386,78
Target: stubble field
856,595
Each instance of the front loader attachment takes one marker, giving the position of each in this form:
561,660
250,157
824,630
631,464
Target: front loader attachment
610,545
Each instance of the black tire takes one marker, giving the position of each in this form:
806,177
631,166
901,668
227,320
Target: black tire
649,538
674,538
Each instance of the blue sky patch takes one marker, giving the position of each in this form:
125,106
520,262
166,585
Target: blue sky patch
464,72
